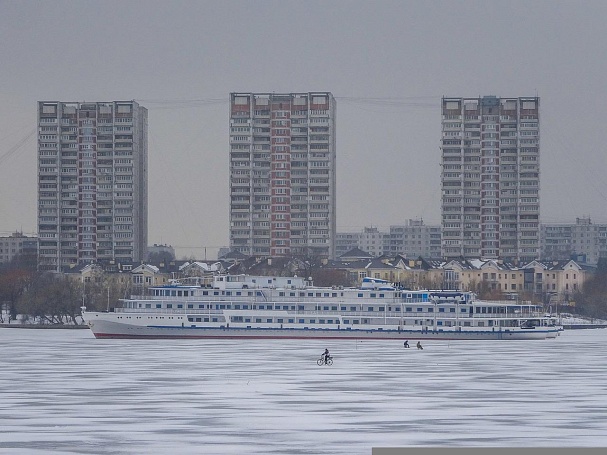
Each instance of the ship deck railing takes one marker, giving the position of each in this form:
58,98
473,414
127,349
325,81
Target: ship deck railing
349,314
264,299
524,306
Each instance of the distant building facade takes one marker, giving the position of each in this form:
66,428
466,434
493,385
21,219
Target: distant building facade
415,239
550,282
374,242
282,174
490,178
92,182
583,239
346,241
17,244
412,239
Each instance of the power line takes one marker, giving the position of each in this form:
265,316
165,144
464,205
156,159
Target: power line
198,247
17,147
419,101
389,102
158,104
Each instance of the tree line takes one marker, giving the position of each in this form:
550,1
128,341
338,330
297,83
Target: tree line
591,301
30,296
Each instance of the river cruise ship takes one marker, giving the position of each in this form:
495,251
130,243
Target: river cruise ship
244,306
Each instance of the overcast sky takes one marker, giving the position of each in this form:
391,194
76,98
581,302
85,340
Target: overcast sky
388,63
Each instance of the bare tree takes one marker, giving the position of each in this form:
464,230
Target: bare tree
103,292
160,257
591,301
51,299
330,277
14,280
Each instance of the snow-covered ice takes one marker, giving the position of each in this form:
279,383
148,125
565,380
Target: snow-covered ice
62,391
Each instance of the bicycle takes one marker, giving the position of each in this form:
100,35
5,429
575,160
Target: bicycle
320,362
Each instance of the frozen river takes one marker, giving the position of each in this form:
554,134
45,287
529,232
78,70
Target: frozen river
62,391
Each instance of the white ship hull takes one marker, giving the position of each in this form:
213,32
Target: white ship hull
108,329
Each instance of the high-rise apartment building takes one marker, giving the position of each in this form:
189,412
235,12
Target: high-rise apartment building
490,177
92,182
282,174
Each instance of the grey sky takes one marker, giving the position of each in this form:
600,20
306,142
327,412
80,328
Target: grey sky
408,53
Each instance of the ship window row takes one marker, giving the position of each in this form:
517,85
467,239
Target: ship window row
279,320
259,320
242,319
159,305
192,319
374,295
381,309
190,293
431,310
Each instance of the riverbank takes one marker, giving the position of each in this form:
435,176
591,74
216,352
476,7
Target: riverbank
571,322
584,326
